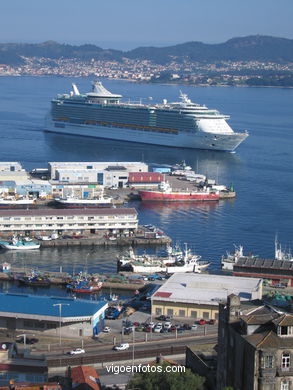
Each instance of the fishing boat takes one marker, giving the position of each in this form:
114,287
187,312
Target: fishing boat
34,281
182,262
74,203
12,202
87,288
166,194
17,244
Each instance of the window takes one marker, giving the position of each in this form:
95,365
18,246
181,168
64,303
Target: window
285,360
158,311
285,330
285,385
169,312
193,314
206,314
181,313
267,361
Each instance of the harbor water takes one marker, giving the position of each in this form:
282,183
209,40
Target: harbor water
260,170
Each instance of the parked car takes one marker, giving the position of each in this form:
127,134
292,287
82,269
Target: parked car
161,318
212,322
107,329
202,322
76,351
127,331
186,326
121,347
173,328
167,325
194,327
140,328
158,328
136,324
164,330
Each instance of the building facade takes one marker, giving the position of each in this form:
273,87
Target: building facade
62,220
197,296
255,347
42,314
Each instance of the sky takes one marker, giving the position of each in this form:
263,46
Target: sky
127,24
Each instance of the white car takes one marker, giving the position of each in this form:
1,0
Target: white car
121,347
107,329
167,325
194,327
76,351
158,328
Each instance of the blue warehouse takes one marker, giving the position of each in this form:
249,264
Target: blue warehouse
77,317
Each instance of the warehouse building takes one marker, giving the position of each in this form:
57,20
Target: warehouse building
10,167
145,179
197,296
43,314
62,220
103,173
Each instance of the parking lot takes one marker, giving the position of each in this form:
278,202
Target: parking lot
141,326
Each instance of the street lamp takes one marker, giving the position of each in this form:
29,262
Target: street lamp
60,315
24,338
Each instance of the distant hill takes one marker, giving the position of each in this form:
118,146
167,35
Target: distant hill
257,47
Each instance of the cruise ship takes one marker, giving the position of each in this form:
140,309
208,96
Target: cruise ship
102,114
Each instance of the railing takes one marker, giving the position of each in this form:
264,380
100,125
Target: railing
285,371
114,356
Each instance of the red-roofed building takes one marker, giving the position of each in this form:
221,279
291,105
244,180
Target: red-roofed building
145,179
84,375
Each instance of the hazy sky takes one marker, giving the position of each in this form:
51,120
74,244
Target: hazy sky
125,24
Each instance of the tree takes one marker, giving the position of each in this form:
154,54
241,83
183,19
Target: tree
157,378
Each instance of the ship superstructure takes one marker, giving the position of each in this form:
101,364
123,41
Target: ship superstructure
102,114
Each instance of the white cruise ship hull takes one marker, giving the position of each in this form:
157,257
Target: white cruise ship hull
199,140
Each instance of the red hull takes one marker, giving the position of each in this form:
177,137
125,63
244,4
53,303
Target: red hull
177,196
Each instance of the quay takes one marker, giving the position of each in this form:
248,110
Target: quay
123,241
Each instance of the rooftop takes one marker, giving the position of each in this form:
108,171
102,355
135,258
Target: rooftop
207,289
28,306
264,263
45,212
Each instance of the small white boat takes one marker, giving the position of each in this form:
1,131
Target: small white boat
17,244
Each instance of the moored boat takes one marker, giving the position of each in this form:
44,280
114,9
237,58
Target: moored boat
34,281
87,288
184,261
167,194
100,201
17,244
16,203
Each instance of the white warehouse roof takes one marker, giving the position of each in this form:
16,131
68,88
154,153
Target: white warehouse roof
207,289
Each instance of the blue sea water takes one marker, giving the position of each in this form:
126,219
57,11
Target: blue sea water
260,170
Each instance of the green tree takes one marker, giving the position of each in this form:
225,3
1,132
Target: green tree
166,380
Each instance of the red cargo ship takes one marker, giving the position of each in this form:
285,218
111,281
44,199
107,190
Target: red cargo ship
166,194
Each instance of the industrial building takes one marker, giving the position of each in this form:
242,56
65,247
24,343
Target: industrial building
145,179
10,167
108,174
197,296
62,220
77,317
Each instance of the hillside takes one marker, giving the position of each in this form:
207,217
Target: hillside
251,48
